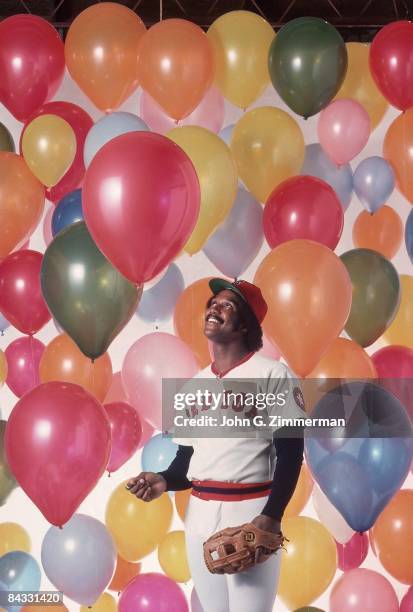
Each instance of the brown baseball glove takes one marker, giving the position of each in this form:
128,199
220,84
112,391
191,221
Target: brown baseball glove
233,550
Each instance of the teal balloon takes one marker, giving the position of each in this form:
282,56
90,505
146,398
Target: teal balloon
158,453
19,571
307,63
86,295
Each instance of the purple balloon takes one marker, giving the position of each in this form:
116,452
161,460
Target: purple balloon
196,605
373,182
152,592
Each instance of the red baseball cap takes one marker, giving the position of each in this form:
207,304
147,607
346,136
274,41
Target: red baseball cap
251,294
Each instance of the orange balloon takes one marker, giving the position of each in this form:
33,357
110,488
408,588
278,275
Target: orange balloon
101,52
398,150
62,360
124,572
392,537
301,494
176,65
189,319
181,502
21,202
381,231
55,608
308,292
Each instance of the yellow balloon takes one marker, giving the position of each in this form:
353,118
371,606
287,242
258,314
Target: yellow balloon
268,147
137,526
172,556
301,494
217,174
3,368
241,41
105,603
13,537
401,329
49,148
359,84
181,502
309,565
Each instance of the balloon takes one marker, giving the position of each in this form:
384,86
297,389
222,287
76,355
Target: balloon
381,231
31,63
394,365
391,63
409,235
316,163
406,604
153,592
306,311
4,324
310,563
101,50
195,603
88,297
172,556
208,114
331,518
7,481
352,553
303,207
125,571
158,453
299,47
363,589
105,603
23,358
44,447
343,130
120,196
181,502
125,433
359,84
176,84
237,241
301,494
6,140
19,571
21,202
217,175
308,609
80,558
67,211
269,349
107,128
398,150
149,523
3,368
241,41
158,303
373,182
21,299
268,147
401,329
13,537
45,608
149,360
376,294
62,360
47,226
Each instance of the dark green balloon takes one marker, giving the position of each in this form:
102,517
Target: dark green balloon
307,63
7,481
376,294
6,140
86,295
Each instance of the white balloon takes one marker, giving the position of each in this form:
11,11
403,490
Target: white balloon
330,517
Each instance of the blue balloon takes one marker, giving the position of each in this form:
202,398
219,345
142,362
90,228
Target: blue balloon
408,235
158,453
19,571
158,303
373,182
68,210
4,324
226,134
316,163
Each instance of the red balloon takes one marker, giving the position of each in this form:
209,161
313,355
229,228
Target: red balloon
406,604
23,358
126,433
141,202
353,553
57,444
32,64
394,366
21,298
303,207
391,63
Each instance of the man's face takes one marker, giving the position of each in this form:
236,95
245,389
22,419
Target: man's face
223,317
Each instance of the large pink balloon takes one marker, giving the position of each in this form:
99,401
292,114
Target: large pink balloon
353,553
151,358
57,444
126,432
363,589
141,201
152,592
23,358
406,604
394,366
343,130
208,114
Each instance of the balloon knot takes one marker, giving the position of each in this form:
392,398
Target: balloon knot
108,474
60,527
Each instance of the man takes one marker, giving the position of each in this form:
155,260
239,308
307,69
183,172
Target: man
231,477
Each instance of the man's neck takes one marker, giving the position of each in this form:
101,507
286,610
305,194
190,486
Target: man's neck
226,356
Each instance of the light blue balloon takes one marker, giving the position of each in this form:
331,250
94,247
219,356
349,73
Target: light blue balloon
158,303
68,211
158,453
226,134
4,324
107,128
316,163
373,182
234,244
408,235
19,571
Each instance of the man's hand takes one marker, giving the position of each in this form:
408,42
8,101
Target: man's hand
147,486
267,523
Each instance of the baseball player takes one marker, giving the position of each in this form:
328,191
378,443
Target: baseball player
235,480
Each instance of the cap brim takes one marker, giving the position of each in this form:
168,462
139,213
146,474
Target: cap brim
220,284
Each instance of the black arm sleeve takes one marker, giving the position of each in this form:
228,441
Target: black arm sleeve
176,474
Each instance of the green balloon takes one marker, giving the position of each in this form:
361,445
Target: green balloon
7,481
6,140
376,294
87,296
307,63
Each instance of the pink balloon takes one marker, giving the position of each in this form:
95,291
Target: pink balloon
47,226
208,114
353,553
23,358
141,217
151,358
152,592
147,433
269,349
57,444
363,589
126,432
343,130
394,365
406,604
